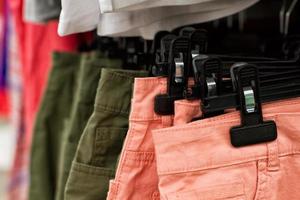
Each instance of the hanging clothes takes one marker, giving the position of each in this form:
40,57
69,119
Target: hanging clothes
36,42
202,158
160,111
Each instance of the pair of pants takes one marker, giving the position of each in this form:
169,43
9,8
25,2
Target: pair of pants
197,161
102,139
82,109
34,45
47,139
136,177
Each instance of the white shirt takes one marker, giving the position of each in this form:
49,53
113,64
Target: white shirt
172,17
78,16
41,11
107,6
81,16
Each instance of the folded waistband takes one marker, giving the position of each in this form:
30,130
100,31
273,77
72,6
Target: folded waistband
90,72
205,144
186,110
144,93
115,90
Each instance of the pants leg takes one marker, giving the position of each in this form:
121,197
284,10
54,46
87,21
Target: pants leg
90,72
54,109
102,139
136,176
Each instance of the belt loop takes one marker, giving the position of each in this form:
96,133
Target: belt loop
273,156
167,121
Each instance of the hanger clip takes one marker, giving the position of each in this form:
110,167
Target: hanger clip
208,72
177,77
198,47
253,130
162,54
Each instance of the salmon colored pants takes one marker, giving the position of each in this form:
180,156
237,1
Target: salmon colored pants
136,177
198,162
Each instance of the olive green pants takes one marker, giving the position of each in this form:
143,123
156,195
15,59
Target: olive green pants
47,135
101,142
82,109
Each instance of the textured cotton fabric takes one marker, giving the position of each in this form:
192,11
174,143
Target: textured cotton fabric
136,177
82,109
102,139
147,23
107,6
79,16
48,131
197,161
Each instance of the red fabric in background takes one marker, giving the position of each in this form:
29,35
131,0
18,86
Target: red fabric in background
4,104
39,43
36,43
4,98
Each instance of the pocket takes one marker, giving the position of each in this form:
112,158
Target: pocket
232,191
119,190
101,146
87,182
241,181
107,146
94,163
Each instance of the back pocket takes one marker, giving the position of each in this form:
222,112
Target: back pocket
87,182
108,144
232,191
95,163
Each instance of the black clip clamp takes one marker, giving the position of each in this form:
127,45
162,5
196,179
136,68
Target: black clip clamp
198,47
208,80
177,77
253,129
162,53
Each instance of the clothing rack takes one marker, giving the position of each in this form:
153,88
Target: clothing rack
160,100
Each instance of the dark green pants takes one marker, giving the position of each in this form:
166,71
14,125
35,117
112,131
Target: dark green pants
47,136
100,145
81,111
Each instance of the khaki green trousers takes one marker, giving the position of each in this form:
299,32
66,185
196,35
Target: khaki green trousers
102,139
89,75
47,135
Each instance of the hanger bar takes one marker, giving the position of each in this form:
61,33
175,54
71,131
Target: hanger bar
272,89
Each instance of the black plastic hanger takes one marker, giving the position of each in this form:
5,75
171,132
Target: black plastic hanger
253,129
177,76
162,51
